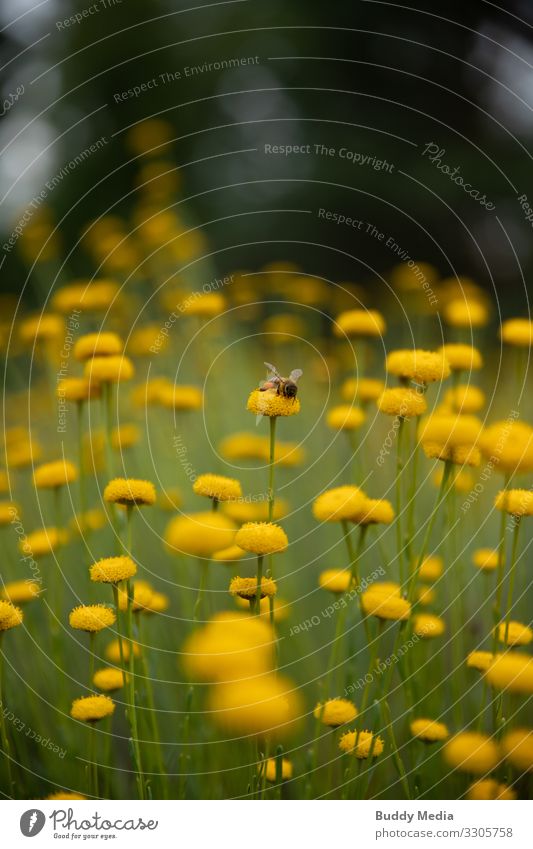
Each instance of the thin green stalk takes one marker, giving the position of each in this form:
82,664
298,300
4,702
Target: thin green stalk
395,752
91,659
272,420
398,489
131,693
81,465
93,766
152,714
204,567
512,572
429,528
3,730
411,507
259,581
354,557
501,571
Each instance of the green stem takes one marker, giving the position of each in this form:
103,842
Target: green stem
152,715
395,752
259,581
398,489
204,566
91,660
354,557
272,420
3,730
429,528
83,485
501,572
131,693
512,572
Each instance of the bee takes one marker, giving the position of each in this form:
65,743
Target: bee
286,386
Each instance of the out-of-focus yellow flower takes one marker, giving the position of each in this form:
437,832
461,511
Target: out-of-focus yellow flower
450,431
461,313
125,436
286,327
103,344
170,499
9,510
112,570
229,555
130,492
359,323
145,338
342,503
335,580
517,746
429,730
288,454
509,444
20,592
77,389
427,626
363,389
361,744
471,752
10,615
402,402
345,417
254,511
465,399
375,511
431,568
462,357
86,295
230,647
142,596
425,595
335,712
41,542
218,487
180,398
91,520
204,304
108,679
461,455
52,475
23,453
517,332
266,705
385,605
41,328
516,502
420,366
270,768
490,790
243,446
511,671
149,136
262,538
91,617
63,795
109,369
486,559
480,660
268,403
517,634
112,651
92,708
247,587
200,534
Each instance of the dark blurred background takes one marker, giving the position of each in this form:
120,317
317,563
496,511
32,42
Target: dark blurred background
381,79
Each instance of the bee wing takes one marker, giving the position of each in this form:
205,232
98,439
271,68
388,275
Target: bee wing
295,375
273,372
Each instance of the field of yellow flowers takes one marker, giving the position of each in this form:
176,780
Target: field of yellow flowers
222,580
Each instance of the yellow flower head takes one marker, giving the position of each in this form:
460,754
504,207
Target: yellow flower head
247,587
417,365
262,538
450,431
511,671
425,595
66,796
426,626
510,446
9,511
20,592
517,746
199,534
269,403
490,790
266,705
51,475
108,678
243,511
230,647
516,502
218,487
112,570
335,712
98,345
471,752
402,402
429,730
465,399
335,580
204,305
486,559
180,398
375,511
243,446
462,455
125,436
142,597
270,768
518,634
109,369
367,744
86,295
342,503
480,660
360,323
517,332
431,568
364,389
158,603
462,357
170,499
92,708
40,543
385,605
461,313
345,417
229,555
10,616
144,338
112,651
45,328
77,389
91,617
130,492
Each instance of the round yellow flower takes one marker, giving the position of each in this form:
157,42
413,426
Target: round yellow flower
40,543
462,455
125,436
461,313
385,605
402,402
91,617
243,511
130,492
517,746
112,570
364,389
10,616
200,534
266,705
205,305
112,651
509,444
217,487
144,338
420,366
366,743
335,580
9,511
229,555
158,603
359,323
490,790
486,559
20,592
480,660
243,446
465,399
375,511
517,332
342,503
247,587
345,417
271,766
170,499
450,431
230,647
429,730
518,634
426,625
269,403
471,752
98,345
462,357
431,568
516,502
77,389
51,475
180,398
425,595
335,712
262,538
109,369
511,671
108,678
86,295
142,594
92,708
46,328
